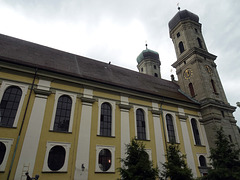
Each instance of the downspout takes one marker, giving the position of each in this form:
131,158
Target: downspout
20,131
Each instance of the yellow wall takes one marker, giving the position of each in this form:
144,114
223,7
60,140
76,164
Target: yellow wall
72,138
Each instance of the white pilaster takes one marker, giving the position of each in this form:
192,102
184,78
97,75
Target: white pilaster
158,136
83,147
186,142
32,136
125,130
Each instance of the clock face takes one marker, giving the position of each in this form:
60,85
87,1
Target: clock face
187,73
209,69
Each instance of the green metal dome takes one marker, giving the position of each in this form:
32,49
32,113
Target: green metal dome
147,54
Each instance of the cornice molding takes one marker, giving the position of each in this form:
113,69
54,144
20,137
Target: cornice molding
88,100
124,106
42,92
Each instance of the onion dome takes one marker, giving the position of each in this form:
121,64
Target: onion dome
182,16
147,54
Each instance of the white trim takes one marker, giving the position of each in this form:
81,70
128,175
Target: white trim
125,128
112,150
199,130
8,143
160,151
88,93
145,109
188,148
49,146
83,144
174,124
58,94
113,106
23,87
149,152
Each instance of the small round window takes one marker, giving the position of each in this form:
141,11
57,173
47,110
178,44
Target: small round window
56,158
2,152
104,159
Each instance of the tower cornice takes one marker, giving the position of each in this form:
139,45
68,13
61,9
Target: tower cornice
193,52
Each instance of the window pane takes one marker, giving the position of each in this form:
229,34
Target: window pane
63,113
195,132
104,159
9,105
202,161
56,158
2,152
141,129
170,129
106,120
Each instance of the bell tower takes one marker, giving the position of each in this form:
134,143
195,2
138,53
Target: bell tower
198,76
149,62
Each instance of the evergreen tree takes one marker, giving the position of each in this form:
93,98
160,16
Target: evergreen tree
224,159
137,166
175,167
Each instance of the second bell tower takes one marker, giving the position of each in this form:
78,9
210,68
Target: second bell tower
198,76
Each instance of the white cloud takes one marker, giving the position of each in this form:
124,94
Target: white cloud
116,31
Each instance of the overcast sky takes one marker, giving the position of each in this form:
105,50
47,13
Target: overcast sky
116,31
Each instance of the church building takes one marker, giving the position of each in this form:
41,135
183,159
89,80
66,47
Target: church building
68,117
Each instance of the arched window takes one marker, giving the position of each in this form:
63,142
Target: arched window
63,114
202,161
199,42
104,159
141,124
195,131
106,119
181,47
9,105
191,89
155,74
213,86
170,129
56,158
2,152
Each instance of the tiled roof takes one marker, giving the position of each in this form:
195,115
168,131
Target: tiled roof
34,55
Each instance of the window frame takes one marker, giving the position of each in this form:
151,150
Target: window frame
112,150
191,89
141,118
58,94
206,159
49,146
174,124
8,143
214,86
199,130
106,118
181,47
24,88
200,43
149,152
113,107
145,111
59,113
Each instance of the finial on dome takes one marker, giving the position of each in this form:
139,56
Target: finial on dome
178,6
146,44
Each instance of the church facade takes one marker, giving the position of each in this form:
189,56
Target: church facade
64,116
